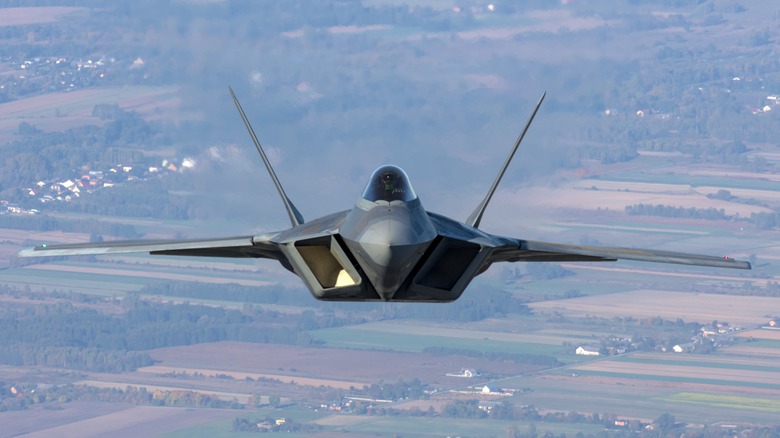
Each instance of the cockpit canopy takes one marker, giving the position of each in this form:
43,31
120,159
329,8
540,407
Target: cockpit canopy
389,183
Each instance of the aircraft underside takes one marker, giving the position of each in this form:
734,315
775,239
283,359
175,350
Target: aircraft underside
442,270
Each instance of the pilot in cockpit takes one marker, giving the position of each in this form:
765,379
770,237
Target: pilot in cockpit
393,185
389,183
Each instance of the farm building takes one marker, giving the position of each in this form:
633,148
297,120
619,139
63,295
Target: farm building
587,350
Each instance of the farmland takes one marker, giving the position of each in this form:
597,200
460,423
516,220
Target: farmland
651,303
62,111
329,365
91,419
665,110
355,355
728,383
23,16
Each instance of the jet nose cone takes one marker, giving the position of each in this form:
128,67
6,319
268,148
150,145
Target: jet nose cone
388,250
389,233
387,266
393,256
388,240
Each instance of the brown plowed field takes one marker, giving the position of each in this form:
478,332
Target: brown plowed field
39,15
329,364
704,308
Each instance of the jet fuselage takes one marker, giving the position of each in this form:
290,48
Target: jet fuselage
387,248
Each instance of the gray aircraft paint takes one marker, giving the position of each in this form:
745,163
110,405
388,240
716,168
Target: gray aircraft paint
387,247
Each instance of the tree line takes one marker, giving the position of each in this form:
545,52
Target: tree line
762,220
478,303
80,338
77,337
94,227
45,156
15,396
677,212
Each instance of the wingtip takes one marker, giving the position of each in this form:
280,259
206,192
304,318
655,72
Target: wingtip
36,251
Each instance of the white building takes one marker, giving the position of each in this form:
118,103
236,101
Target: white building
585,350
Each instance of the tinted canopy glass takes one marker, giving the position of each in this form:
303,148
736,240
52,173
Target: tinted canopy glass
389,183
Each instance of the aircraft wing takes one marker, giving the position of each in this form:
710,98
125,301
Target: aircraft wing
259,246
529,251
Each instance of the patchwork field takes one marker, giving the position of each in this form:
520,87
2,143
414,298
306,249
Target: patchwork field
737,310
691,372
735,385
764,344
110,278
60,111
296,380
360,337
415,328
328,365
771,334
618,199
439,427
681,277
133,422
147,273
770,405
644,399
35,15
121,385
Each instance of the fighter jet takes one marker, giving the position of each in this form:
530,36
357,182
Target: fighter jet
387,247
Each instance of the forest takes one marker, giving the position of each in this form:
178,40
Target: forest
688,95
334,89
28,396
82,338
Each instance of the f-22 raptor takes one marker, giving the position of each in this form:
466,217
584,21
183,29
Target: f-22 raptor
387,247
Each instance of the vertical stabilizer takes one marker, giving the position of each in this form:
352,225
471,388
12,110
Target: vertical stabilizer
295,216
476,217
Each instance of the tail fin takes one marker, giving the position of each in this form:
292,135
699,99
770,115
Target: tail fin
295,216
476,217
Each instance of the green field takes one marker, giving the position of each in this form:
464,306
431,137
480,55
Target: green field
666,378
708,361
694,180
130,274
536,290
441,426
727,401
83,101
391,426
38,280
764,343
223,428
357,337
411,328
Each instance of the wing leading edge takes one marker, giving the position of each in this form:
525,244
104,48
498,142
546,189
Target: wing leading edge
259,246
517,250
531,251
